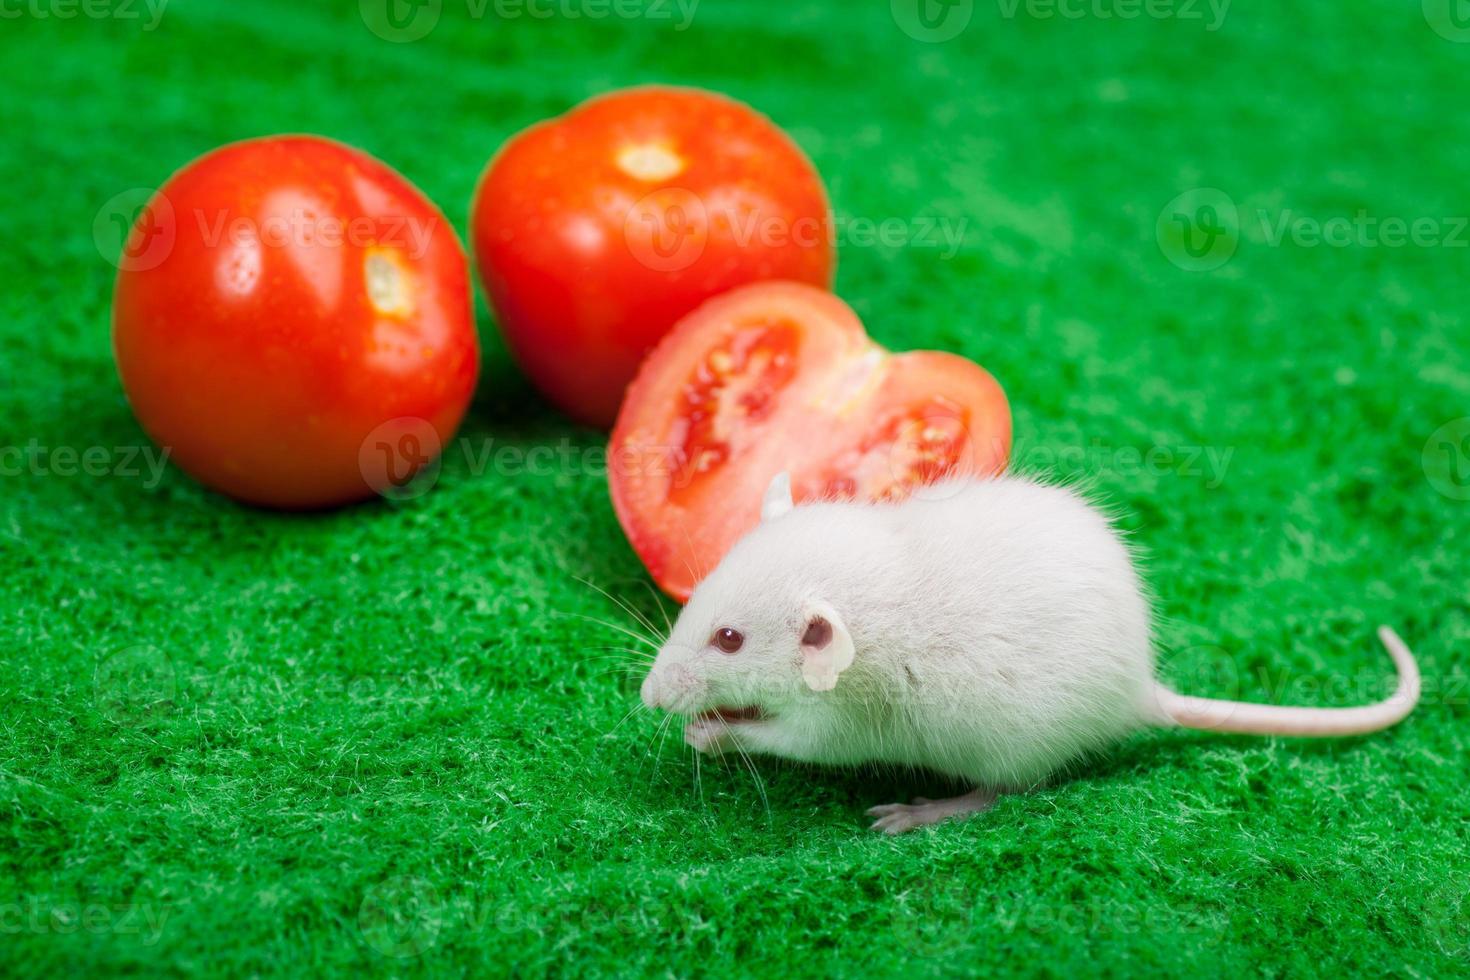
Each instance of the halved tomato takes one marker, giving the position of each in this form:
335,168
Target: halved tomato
782,376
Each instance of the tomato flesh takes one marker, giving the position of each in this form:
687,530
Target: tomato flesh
782,376
735,385
918,446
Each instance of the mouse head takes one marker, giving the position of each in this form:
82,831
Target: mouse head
756,637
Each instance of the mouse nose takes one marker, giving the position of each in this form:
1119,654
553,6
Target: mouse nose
671,687
649,691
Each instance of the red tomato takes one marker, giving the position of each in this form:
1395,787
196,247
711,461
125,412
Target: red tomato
305,298
596,231
781,376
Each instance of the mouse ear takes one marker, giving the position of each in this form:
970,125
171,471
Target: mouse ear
826,647
777,500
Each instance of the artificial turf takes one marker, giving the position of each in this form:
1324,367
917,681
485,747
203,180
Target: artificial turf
385,740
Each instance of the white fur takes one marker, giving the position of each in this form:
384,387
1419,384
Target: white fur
990,629
993,630
999,632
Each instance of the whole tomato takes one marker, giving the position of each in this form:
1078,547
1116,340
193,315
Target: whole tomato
596,231
293,321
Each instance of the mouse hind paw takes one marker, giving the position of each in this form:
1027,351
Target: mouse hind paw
898,818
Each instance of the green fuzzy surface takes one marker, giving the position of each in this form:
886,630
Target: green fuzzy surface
388,739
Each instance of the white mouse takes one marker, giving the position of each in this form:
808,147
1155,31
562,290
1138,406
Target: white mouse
992,630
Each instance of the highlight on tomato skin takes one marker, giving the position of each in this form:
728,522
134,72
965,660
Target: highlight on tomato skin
306,304
779,377
595,231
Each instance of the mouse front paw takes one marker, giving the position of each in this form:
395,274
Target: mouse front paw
710,736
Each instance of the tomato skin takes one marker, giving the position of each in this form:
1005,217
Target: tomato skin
850,420
596,231
310,295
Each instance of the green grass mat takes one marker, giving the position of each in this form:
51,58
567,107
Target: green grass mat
383,741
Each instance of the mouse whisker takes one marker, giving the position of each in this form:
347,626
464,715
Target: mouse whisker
609,663
663,734
655,735
649,641
622,604
612,649
695,575
760,784
637,706
623,672
659,602
699,782
632,656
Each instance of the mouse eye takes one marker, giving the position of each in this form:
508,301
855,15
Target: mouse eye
727,640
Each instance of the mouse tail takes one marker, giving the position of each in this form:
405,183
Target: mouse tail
1245,718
